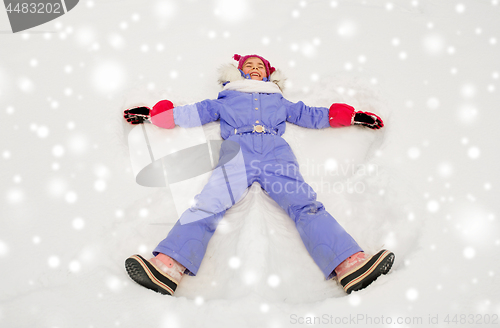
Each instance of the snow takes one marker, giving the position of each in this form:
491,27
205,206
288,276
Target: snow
425,186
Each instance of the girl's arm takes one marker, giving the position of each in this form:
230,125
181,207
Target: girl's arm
165,115
197,114
338,115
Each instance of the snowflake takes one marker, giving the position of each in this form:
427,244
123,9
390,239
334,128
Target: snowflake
354,299
433,103
54,261
15,196
234,262
433,44
412,294
4,249
58,150
78,223
273,281
74,266
165,9
460,8
108,77
433,206
25,84
469,253
473,152
232,10
347,29
414,153
71,197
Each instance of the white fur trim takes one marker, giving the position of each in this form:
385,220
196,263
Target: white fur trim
230,73
253,86
279,79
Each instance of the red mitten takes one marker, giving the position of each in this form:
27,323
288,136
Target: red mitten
341,115
370,120
162,114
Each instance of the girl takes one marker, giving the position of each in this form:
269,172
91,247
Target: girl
253,115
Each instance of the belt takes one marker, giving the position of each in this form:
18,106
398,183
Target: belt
256,129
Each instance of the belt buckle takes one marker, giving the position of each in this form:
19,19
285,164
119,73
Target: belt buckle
258,128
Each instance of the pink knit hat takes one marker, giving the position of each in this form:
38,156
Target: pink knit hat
242,59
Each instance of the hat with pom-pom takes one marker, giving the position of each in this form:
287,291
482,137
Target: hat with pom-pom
242,59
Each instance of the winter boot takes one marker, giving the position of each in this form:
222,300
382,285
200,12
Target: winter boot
160,274
360,270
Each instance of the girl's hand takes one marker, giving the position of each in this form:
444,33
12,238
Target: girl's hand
137,115
370,120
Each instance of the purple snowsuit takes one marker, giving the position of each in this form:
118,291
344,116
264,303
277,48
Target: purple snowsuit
249,154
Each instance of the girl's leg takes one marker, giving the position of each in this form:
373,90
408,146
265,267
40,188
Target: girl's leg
325,239
187,241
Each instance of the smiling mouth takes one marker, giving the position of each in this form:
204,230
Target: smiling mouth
255,74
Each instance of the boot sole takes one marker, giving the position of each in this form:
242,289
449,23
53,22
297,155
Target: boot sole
376,266
147,275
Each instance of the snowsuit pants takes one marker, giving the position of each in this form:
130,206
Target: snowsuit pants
269,160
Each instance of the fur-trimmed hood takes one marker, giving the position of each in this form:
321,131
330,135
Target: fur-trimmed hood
230,73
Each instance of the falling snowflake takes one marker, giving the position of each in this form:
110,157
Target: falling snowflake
433,44
433,206
250,277
114,283
234,262
199,300
346,29
58,150
467,114
433,103
412,294
473,152
71,197
165,9
445,170
414,153
25,84
100,185
468,90
469,253
232,11
273,280
4,249
308,49
54,261
143,212
85,36
78,223
15,196
74,266
460,8
78,144
354,300
108,77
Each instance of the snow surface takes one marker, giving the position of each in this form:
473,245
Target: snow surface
71,212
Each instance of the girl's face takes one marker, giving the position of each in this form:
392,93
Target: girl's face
255,67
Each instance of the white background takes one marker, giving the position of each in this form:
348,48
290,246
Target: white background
71,212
